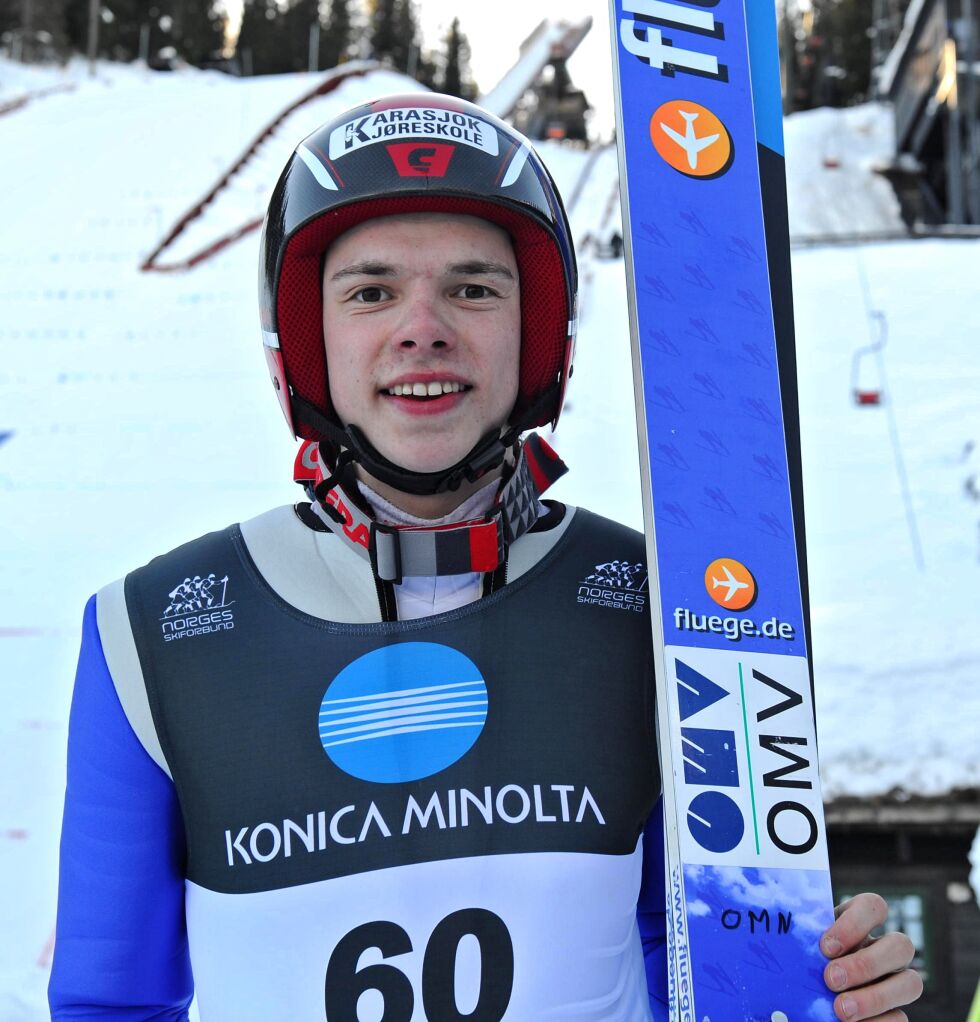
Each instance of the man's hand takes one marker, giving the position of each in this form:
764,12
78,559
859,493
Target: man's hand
872,974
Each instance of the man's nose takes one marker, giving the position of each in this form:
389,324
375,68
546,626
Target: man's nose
423,325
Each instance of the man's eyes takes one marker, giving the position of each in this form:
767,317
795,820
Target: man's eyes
370,295
474,292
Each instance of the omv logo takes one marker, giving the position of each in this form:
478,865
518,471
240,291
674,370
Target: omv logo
403,712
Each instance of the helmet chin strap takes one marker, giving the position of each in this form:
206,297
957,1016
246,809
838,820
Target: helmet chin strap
485,456
398,551
354,446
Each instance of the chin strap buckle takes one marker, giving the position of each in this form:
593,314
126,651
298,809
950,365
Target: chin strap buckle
385,551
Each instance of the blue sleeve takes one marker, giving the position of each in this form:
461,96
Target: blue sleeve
121,945
651,913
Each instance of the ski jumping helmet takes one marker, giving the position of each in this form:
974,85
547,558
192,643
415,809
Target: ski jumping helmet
415,153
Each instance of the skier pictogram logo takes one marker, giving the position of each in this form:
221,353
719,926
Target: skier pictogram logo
621,574
730,584
691,139
197,594
616,585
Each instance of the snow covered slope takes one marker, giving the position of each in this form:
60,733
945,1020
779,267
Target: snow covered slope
135,412
833,189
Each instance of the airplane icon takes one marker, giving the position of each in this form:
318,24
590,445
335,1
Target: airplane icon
730,582
689,141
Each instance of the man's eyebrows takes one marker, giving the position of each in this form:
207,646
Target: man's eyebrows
476,267
366,269
469,268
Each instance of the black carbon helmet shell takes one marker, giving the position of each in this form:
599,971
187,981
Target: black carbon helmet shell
420,152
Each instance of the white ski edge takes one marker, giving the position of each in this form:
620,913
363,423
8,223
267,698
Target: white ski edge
678,952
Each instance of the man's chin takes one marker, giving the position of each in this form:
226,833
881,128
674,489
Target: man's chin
426,463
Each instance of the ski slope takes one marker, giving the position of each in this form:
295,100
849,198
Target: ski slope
135,412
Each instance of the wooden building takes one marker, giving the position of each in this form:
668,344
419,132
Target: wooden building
914,851
932,79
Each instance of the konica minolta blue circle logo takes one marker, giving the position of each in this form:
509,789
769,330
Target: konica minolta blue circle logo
403,712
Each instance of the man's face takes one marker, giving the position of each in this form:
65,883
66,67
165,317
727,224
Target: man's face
422,327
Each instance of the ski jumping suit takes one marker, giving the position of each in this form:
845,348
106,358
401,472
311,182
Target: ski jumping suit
428,820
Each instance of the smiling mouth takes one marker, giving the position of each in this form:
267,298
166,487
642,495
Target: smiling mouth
426,391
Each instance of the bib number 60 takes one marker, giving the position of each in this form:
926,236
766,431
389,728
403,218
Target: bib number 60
345,982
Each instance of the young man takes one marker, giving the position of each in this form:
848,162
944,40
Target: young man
367,758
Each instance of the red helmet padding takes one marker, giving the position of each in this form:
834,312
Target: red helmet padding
299,308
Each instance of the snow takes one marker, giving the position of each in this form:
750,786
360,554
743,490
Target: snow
135,412
832,186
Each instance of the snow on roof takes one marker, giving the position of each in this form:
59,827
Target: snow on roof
832,187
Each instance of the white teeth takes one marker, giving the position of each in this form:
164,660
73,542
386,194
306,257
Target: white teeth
434,389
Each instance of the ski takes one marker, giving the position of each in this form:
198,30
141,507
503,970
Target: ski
702,184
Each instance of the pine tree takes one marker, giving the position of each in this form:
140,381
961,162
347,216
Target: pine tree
76,24
198,29
297,22
407,47
39,25
456,77
383,33
119,30
827,53
335,39
261,48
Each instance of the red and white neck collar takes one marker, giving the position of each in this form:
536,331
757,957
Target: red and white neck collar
443,548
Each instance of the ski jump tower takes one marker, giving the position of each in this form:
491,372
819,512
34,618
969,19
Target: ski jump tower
536,94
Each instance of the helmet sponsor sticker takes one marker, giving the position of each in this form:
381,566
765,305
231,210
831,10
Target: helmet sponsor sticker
413,122
420,159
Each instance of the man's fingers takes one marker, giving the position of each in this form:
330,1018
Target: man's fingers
891,1016
879,1001
888,954
855,920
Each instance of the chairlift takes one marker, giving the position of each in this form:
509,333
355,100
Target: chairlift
869,396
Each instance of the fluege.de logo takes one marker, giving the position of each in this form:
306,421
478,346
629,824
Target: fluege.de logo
619,585
198,606
691,139
732,586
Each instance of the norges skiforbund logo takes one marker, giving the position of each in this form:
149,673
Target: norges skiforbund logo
198,606
619,585
403,712
691,139
732,586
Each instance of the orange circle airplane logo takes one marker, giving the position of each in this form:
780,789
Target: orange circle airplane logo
691,139
730,584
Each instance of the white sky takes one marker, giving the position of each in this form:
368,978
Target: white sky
496,30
